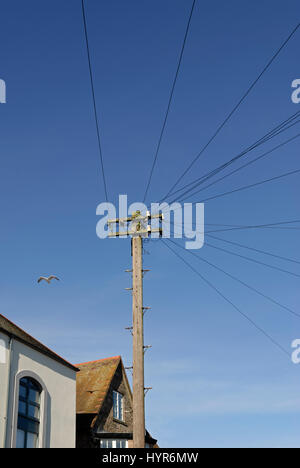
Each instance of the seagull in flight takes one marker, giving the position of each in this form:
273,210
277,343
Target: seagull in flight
49,279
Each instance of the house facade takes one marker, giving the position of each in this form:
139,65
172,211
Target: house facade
104,406
37,393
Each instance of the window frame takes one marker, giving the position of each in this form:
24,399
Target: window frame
119,407
27,423
44,397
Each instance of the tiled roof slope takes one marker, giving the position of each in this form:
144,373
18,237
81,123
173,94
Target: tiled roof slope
92,383
13,330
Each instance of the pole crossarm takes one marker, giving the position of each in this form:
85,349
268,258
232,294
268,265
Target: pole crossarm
139,225
132,233
134,216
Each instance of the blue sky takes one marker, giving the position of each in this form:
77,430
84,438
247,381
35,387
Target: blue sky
216,381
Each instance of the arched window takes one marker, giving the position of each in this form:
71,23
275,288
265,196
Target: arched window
29,413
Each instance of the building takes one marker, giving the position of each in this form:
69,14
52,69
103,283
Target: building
37,393
104,406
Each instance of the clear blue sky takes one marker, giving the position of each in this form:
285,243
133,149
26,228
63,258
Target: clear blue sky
216,381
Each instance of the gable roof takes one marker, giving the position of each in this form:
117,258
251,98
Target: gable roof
11,329
92,383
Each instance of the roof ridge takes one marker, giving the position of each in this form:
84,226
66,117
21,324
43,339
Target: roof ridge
97,360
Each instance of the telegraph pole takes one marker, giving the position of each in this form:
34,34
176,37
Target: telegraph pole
139,228
138,344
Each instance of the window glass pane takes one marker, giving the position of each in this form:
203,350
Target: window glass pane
121,443
106,443
22,391
121,408
31,440
34,396
118,405
109,443
28,425
22,407
33,411
33,384
115,405
20,439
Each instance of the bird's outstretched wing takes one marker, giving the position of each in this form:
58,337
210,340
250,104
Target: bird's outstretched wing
41,278
53,277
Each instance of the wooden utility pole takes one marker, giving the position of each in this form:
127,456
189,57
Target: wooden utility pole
139,229
138,344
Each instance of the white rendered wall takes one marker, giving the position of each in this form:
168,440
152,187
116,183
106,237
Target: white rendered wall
58,421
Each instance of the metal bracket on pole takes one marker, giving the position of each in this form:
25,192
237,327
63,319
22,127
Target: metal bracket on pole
130,369
145,309
146,348
146,390
130,329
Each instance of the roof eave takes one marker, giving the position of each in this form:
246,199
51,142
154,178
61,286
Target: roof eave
49,354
